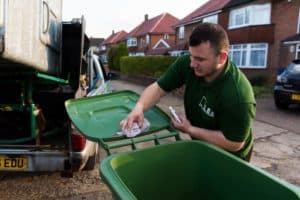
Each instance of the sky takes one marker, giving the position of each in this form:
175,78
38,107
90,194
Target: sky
102,17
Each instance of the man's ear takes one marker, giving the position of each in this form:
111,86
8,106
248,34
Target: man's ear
223,57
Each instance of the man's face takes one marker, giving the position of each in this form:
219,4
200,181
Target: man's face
204,61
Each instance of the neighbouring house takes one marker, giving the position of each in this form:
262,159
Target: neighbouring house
113,39
264,34
208,12
96,42
153,36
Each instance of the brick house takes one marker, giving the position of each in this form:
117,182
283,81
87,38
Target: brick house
153,36
262,38
208,12
113,39
96,42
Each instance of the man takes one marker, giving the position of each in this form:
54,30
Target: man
219,102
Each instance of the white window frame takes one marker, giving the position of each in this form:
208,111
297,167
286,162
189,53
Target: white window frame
178,53
297,51
103,47
298,28
249,16
166,36
131,42
247,50
147,39
181,32
211,19
139,54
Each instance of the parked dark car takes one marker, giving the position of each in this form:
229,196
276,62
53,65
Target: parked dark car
287,87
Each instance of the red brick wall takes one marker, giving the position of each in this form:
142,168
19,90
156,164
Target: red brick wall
251,34
187,32
284,19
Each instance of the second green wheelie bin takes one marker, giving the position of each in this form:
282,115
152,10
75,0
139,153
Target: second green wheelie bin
190,170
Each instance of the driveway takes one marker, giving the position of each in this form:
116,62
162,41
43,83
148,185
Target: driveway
267,112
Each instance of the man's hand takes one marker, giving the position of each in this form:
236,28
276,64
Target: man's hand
215,137
136,115
184,126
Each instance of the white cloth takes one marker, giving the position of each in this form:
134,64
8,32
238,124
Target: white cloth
136,130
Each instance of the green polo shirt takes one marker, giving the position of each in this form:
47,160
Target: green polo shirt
226,104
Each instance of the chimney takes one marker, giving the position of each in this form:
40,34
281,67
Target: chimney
146,17
113,32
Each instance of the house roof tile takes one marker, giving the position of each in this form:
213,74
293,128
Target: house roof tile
208,7
115,38
160,24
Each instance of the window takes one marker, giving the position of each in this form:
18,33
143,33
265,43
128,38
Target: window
140,54
136,54
211,19
249,55
147,39
142,42
103,47
166,36
181,32
250,15
298,28
297,51
178,53
103,58
131,42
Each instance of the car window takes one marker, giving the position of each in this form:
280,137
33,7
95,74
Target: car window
294,68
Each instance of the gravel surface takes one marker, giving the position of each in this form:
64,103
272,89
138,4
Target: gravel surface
83,185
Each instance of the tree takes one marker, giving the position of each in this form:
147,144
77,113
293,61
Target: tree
111,56
115,54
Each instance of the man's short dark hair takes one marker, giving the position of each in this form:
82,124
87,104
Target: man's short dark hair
213,33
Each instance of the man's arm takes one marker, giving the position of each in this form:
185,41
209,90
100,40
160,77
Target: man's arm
215,137
149,97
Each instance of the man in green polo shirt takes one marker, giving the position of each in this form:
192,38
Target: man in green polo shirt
219,102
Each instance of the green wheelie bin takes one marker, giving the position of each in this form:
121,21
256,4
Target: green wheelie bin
190,170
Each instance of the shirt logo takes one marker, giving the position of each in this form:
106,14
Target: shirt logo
207,110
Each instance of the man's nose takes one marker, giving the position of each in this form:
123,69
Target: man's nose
193,64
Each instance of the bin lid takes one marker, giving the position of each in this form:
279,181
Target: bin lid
99,117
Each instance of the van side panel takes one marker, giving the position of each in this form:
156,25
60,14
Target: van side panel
31,34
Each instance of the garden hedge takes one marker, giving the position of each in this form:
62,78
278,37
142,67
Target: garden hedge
153,66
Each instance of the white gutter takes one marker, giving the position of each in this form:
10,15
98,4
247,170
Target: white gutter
292,42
